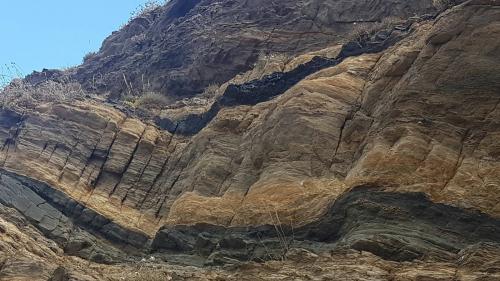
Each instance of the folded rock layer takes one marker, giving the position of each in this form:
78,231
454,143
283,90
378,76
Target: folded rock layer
420,116
183,47
394,152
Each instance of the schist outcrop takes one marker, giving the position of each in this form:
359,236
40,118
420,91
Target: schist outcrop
284,140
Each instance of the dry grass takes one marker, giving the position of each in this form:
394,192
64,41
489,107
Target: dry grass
16,92
151,100
146,8
264,59
211,90
88,56
362,32
148,275
22,94
285,242
442,5
9,72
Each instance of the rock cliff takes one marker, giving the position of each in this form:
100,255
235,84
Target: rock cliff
386,142
183,47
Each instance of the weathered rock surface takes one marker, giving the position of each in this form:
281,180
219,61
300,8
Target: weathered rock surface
28,256
380,119
417,124
376,118
434,126
183,47
54,212
75,228
92,153
274,84
394,226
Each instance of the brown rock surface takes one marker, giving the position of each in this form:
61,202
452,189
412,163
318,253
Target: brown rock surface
183,47
434,125
421,116
28,256
421,119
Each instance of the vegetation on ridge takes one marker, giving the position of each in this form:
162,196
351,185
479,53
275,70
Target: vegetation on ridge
20,93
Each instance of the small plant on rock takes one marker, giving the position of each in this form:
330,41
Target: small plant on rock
151,100
146,8
210,91
362,32
442,5
23,94
88,56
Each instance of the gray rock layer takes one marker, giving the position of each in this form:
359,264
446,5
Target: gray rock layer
394,226
183,47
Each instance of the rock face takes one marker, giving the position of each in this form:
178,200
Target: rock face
394,226
183,47
380,118
269,86
392,151
75,228
28,255
93,154
53,212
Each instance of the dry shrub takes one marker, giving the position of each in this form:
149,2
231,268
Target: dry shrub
89,56
211,90
267,63
9,72
152,100
146,8
148,275
442,5
22,94
362,32
264,59
285,242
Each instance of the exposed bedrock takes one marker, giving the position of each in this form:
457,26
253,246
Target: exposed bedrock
394,226
40,199
78,230
421,116
28,255
277,83
372,160
185,46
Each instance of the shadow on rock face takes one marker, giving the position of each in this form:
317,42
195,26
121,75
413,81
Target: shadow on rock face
60,274
394,226
277,83
80,231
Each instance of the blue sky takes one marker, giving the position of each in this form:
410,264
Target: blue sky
38,34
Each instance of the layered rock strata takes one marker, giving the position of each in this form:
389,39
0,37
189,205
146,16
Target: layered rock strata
380,118
183,47
269,86
394,226
417,124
